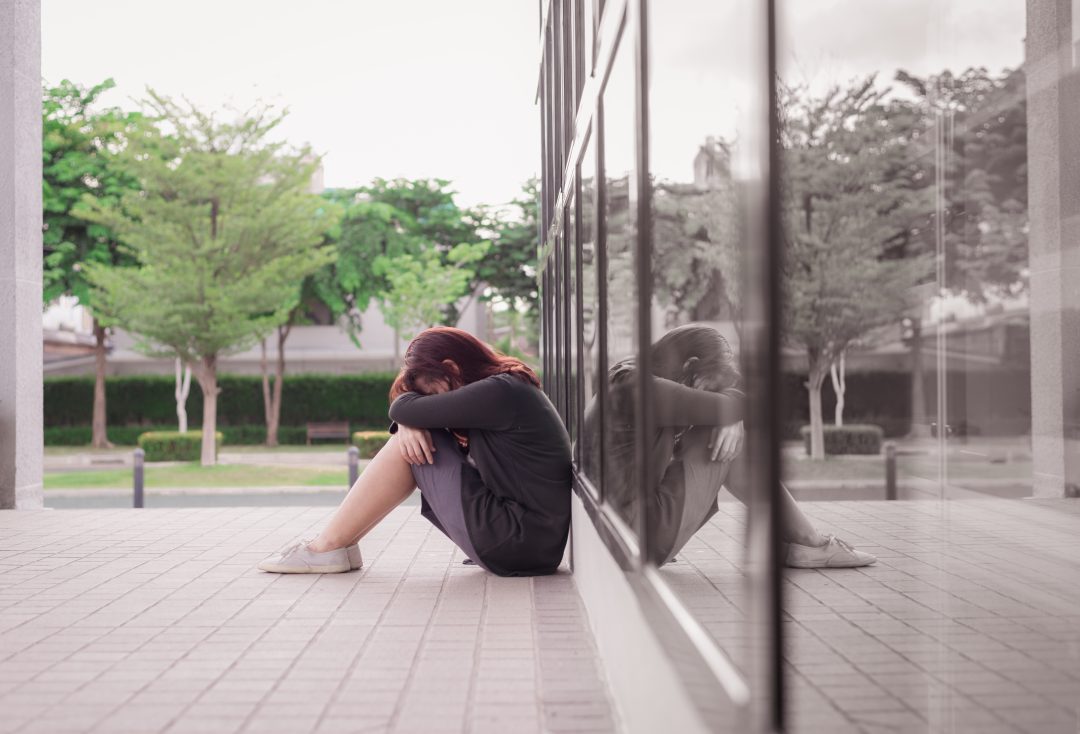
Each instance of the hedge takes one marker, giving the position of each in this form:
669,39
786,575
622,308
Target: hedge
849,439
174,445
129,435
147,400
369,442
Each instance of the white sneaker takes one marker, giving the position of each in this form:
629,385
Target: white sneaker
835,553
296,557
355,559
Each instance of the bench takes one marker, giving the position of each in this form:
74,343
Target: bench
332,429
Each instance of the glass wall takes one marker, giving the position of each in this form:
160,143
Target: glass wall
811,316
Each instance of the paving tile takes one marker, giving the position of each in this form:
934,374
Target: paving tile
970,620
174,630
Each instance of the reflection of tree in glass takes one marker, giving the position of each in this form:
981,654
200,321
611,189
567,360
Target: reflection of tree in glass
621,290
590,306
985,193
985,190
846,201
697,232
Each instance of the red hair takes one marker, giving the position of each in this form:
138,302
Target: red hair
475,359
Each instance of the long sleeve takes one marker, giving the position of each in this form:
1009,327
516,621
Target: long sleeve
676,404
487,404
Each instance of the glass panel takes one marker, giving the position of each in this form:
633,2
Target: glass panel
568,80
558,331
620,460
550,184
545,327
702,80
932,172
592,365
571,362
587,35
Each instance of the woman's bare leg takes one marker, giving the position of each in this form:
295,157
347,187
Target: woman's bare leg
797,527
384,484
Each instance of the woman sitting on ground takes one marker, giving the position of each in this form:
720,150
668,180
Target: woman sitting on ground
487,449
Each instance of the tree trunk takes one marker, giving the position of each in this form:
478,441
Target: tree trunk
817,428
271,439
207,374
837,371
279,383
183,389
918,383
272,395
99,439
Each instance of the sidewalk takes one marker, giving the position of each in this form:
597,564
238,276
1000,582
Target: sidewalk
158,621
969,622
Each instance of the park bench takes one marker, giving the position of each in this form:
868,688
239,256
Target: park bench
331,429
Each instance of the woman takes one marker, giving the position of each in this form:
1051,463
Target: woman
487,449
697,412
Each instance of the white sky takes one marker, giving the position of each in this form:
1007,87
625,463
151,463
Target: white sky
444,88
413,88
702,52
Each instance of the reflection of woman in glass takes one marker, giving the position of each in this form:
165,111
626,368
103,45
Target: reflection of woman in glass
474,431
697,409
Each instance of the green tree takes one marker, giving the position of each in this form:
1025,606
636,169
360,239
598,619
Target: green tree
421,285
509,270
508,274
845,205
367,230
329,214
223,231
79,145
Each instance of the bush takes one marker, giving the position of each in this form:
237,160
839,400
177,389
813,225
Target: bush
852,439
82,435
174,446
147,400
369,442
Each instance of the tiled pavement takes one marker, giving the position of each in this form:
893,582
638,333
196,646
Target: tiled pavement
969,622
156,620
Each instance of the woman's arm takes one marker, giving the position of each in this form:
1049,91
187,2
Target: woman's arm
488,404
679,405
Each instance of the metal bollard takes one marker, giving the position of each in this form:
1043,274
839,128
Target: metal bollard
139,457
354,465
890,470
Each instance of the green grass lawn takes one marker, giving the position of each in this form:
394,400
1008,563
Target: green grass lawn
195,475
319,448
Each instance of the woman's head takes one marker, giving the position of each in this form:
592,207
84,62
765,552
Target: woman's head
444,358
696,355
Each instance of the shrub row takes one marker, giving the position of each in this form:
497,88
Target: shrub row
174,446
147,400
850,439
369,442
129,435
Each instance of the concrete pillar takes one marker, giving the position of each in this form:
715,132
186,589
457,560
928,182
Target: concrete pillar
1053,110
20,255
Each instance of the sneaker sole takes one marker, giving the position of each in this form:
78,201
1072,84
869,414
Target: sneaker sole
275,568
857,564
356,561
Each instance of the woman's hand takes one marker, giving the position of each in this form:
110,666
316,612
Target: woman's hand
415,445
726,442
